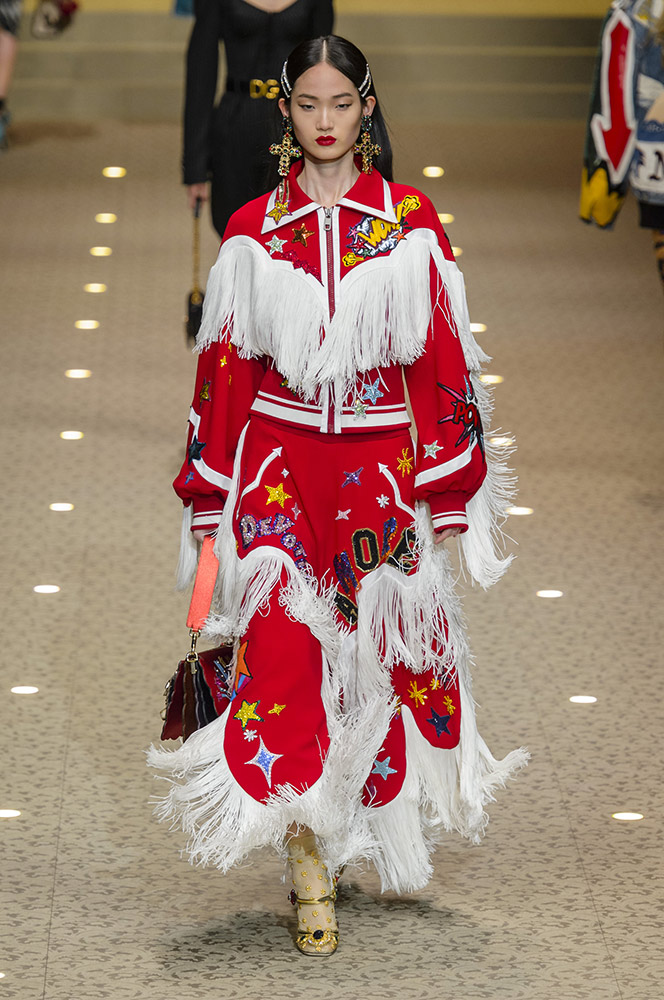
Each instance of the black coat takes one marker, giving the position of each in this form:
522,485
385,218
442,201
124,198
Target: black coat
229,143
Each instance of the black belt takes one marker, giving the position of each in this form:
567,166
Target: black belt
255,88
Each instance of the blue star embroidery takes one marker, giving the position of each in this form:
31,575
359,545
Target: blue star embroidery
188,478
439,722
265,760
382,767
353,477
372,392
195,449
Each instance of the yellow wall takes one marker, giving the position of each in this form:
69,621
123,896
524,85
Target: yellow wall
464,8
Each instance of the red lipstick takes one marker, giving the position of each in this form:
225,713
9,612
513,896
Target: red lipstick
326,140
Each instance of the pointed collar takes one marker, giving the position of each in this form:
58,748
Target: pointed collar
370,194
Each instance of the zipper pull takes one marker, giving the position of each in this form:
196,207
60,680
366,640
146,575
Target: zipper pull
328,219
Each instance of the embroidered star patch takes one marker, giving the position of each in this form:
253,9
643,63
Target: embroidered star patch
296,512
250,735
342,515
276,710
352,477
275,245
382,767
265,759
223,361
195,449
418,695
247,712
204,394
280,209
188,478
242,671
439,723
301,235
277,495
383,500
360,409
449,704
372,392
405,463
431,450
284,473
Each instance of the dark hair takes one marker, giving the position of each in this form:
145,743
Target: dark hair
347,58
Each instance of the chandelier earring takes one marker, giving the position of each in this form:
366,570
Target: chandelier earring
365,146
286,150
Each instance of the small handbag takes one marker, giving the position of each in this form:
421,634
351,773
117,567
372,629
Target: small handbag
196,296
51,17
199,690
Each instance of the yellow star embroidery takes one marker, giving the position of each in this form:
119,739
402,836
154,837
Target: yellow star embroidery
417,694
230,379
301,235
246,712
276,494
280,209
405,463
435,684
449,704
223,361
277,710
204,394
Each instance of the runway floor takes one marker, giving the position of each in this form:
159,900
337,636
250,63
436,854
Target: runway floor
560,901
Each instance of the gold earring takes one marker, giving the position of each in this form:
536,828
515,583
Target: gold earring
365,147
286,150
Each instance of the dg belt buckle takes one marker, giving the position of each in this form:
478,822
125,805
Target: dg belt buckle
264,88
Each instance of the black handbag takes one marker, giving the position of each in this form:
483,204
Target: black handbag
196,296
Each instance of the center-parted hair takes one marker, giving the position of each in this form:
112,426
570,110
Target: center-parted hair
349,60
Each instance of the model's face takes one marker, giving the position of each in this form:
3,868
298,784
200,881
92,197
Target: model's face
326,110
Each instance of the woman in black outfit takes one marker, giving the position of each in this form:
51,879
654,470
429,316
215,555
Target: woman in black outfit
228,144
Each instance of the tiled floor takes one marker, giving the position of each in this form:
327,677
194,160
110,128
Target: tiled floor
560,902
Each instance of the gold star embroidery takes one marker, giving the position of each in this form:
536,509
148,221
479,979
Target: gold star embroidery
405,463
276,494
223,361
277,710
301,235
280,209
204,394
435,684
449,704
230,379
246,712
417,694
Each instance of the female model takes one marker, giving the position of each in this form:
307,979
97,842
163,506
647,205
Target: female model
227,143
351,732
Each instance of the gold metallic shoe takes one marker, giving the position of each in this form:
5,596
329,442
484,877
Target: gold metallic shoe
318,932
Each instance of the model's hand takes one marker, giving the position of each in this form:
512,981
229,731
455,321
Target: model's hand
200,535
442,536
195,191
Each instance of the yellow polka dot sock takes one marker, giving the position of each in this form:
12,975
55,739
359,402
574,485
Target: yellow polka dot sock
313,892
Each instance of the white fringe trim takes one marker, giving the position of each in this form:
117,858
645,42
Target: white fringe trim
188,559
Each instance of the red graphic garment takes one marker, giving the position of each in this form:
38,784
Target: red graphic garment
351,710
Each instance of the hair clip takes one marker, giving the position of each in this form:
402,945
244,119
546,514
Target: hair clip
365,86
285,83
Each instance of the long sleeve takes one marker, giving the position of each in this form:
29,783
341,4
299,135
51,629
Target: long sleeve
226,386
322,18
201,85
450,464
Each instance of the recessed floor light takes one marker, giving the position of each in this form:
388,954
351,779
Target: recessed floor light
2,975
627,817
501,442
71,435
46,588
114,172
101,251
583,699
549,593
478,327
433,171
61,506
78,373
106,217
24,689
9,813
519,511
492,379
87,324
445,217
96,287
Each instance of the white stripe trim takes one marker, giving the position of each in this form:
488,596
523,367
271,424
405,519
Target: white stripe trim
454,517
203,469
289,414
211,516
440,471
